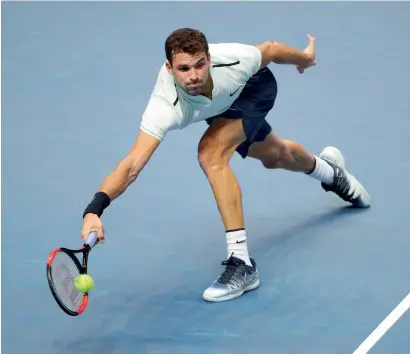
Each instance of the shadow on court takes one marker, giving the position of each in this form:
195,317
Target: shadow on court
173,318
308,226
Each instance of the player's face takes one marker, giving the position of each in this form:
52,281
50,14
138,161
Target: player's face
190,72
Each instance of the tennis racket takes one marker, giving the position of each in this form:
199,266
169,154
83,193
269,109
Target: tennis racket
63,267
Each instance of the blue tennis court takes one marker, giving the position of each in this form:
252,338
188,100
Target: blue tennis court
76,77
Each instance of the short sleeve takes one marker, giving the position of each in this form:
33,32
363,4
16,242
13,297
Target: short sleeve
250,58
159,118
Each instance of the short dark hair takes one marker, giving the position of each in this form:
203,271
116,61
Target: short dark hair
185,40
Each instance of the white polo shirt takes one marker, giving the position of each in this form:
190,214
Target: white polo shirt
170,108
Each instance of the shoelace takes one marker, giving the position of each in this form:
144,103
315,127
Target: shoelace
343,187
230,270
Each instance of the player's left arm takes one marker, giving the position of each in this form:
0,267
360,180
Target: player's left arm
281,53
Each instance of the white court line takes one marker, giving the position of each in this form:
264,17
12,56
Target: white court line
383,327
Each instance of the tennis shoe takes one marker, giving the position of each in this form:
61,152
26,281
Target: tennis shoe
345,185
236,279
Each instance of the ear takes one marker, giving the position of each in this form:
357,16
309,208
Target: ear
169,67
208,57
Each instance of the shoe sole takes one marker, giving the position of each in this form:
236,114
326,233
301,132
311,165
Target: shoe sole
251,286
333,154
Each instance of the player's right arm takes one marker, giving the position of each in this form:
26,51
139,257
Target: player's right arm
128,169
124,174
159,118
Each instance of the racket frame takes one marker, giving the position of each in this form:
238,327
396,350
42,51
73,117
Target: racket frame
82,268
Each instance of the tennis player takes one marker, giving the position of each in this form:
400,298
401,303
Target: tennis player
230,86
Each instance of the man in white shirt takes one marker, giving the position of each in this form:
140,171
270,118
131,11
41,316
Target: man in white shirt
229,86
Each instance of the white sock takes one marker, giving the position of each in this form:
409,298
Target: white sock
322,172
236,241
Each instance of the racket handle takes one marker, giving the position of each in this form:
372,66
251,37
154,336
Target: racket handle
92,239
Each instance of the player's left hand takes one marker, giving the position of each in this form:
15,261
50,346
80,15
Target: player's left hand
310,51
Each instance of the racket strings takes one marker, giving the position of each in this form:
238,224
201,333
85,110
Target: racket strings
64,272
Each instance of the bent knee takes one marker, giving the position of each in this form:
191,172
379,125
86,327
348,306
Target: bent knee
211,158
208,157
276,157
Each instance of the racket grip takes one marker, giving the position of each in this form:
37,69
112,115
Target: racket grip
92,239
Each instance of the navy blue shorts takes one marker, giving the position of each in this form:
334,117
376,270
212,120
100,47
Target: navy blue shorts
252,105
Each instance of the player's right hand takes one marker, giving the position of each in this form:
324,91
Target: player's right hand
92,222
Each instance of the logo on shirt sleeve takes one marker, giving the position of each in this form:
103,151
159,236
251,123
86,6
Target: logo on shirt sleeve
231,94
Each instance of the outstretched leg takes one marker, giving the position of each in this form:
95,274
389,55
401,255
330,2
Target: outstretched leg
329,167
274,152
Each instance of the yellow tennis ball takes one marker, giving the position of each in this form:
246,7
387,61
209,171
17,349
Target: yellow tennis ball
84,283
